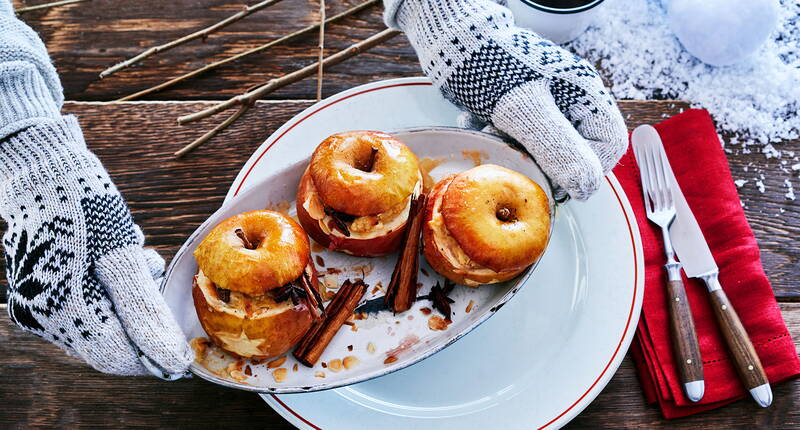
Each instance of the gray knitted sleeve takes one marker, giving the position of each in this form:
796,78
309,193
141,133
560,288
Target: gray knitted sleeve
78,275
29,89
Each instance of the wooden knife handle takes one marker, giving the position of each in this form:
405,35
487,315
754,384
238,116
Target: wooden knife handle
684,336
744,355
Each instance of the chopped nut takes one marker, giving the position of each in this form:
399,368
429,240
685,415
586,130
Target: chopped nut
276,362
248,370
237,375
469,306
438,323
320,261
354,328
349,347
279,375
235,371
350,362
335,365
200,346
425,311
324,365
330,284
371,348
295,367
390,359
320,374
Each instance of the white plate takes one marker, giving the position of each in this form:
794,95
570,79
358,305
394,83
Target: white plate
406,337
539,361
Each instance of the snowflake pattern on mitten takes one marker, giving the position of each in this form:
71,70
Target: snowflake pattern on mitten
77,272
550,100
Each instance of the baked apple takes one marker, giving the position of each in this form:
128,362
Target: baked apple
356,193
485,225
256,289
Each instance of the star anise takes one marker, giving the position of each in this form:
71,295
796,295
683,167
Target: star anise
339,220
290,291
439,297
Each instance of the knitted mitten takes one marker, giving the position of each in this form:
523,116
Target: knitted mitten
77,273
551,101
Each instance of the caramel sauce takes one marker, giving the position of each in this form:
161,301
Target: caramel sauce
425,166
476,157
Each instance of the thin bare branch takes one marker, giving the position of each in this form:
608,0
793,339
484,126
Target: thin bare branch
274,84
45,6
257,49
196,35
206,137
321,47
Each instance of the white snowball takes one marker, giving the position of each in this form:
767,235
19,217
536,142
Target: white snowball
722,32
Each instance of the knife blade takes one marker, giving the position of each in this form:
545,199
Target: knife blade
698,262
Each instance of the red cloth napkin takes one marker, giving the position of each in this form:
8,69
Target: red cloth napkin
701,169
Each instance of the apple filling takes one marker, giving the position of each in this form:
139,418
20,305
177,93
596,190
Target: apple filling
238,304
363,227
451,250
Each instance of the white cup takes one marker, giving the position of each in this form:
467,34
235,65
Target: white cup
557,20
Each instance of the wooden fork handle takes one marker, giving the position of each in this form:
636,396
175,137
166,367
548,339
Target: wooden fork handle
684,336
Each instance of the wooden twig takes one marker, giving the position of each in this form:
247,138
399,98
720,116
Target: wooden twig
46,6
257,49
332,60
196,35
213,132
321,47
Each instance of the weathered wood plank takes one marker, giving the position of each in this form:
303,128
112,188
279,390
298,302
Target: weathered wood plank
84,39
170,197
42,387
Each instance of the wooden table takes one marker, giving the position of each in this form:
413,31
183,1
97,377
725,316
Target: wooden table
40,386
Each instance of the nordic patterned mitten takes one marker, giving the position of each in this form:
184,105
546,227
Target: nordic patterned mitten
77,273
551,101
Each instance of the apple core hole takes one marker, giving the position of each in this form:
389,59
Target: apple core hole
247,242
368,163
505,214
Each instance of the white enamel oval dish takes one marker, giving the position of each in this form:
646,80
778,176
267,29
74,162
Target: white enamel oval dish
536,363
397,341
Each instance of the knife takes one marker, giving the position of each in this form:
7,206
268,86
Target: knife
698,262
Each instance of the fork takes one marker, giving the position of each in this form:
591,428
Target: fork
660,205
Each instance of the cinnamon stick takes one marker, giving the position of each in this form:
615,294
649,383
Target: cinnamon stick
402,290
322,331
312,294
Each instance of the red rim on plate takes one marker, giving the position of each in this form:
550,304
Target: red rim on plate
328,103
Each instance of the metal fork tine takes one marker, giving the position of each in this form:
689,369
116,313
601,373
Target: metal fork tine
645,174
661,180
654,191
665,182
